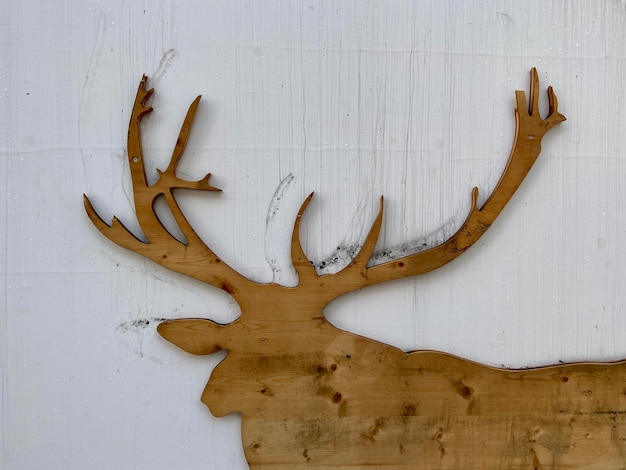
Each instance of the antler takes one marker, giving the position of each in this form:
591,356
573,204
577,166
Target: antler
193,257
529,130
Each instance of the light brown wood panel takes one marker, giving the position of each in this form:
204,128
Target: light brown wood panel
312,395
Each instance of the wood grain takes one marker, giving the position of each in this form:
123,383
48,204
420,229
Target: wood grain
312,395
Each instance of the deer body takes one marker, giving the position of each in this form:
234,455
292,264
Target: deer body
311,395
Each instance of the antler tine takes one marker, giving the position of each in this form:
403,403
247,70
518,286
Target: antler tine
367,250
355,274
168,181
304,267
533,100
530,129
179,149
183,135
116,232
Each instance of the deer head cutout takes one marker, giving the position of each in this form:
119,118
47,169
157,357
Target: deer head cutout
311,395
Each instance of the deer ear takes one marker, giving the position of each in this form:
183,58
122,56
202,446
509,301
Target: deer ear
194,335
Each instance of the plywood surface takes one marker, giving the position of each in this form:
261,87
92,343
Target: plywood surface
311,395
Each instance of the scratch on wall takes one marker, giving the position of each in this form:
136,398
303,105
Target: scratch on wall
353,242
349,247
282,271
132,333
138,324
164,65
420,244
94,61
90,110
277,237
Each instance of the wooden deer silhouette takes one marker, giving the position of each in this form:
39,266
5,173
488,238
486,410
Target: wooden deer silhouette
311,395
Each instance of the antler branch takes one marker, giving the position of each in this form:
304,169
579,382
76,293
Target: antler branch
194,258
529,130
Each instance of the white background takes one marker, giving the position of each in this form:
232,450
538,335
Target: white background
410,99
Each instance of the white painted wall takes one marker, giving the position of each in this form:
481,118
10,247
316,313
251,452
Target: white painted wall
410,99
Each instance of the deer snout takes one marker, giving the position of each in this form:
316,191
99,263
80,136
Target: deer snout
219,398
